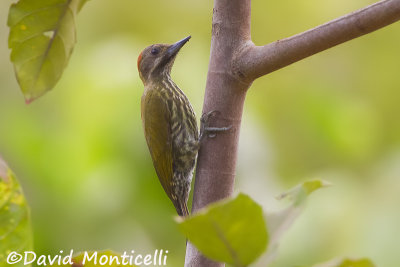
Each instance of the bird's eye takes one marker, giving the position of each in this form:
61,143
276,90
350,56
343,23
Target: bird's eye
155,51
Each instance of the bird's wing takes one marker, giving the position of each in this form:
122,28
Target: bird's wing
155,118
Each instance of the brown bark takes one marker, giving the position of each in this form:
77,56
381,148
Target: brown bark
225,92
235,62
257,61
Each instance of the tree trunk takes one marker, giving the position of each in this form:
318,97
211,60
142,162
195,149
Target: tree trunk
235,62
225,93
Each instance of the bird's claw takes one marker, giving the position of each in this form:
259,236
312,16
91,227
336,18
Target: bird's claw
206,116
210,131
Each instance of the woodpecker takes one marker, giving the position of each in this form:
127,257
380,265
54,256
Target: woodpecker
169,123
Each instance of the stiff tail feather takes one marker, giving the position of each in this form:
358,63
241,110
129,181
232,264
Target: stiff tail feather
182,209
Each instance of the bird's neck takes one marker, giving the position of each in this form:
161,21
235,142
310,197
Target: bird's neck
167,79
166,83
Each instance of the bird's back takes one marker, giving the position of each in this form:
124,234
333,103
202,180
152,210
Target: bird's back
172,137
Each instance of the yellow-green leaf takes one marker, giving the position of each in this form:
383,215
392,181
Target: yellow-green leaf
299,193
81,4
231,231
279,222
15,228
42,37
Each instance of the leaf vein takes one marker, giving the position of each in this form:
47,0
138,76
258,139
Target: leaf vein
37,11
51,41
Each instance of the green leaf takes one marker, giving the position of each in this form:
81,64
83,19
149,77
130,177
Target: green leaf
347,263
15,228
230,231
81,4
279,222
104,258
42,37
299,193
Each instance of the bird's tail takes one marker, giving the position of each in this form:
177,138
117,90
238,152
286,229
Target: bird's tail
182,208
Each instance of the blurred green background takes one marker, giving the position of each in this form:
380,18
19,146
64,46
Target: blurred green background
81,157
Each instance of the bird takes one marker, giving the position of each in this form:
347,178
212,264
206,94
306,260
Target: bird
169,123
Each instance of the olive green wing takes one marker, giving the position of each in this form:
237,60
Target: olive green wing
155,119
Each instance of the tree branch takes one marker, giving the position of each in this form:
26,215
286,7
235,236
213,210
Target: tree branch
235,62
257,61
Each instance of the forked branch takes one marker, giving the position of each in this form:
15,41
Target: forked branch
257,61
235,62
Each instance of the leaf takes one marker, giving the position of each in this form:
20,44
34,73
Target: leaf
347,263
230,231
299,193
279,222
105,258
81,4
42,37
15,228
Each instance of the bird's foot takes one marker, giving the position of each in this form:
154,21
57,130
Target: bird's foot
211,132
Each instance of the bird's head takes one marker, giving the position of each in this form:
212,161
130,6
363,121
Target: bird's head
155,61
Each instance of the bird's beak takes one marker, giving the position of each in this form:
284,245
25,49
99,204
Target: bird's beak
174,49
